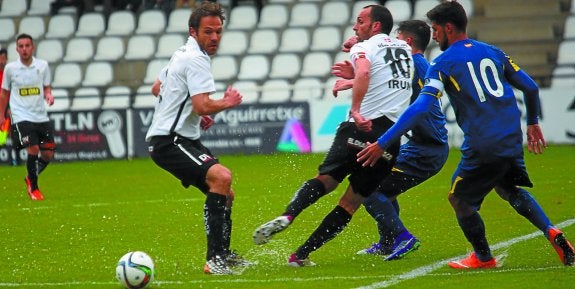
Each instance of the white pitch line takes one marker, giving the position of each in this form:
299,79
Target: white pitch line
262,281
425,270
394,279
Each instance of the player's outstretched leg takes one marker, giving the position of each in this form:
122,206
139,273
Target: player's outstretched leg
264,233
563,248
306,195
524,203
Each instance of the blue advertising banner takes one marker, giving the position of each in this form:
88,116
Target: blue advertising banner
246,129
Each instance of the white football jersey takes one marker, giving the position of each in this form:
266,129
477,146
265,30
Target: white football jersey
188,73
26,86
391,70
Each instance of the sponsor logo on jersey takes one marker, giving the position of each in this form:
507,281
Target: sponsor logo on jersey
27,91
356,143
361,145
205,158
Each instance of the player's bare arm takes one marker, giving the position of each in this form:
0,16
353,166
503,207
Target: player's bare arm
4,98
156,87
204,105
360,85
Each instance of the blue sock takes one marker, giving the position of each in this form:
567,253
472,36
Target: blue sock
383,211
524,203
474,230
386,238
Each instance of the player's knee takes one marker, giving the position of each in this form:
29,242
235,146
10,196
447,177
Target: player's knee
520,200
47,146
349,207
33,150
452,199
502,192
459,206
351,202
328,182
47,155
219,176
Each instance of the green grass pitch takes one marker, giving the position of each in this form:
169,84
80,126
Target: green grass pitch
94,212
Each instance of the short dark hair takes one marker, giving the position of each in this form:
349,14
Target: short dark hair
24,36
418,30
382,15
3,51
449,12
208,8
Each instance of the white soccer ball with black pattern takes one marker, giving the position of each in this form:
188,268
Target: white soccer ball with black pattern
135,270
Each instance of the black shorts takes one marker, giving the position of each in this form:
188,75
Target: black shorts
186,159
472,185
341,159
25,134
398,182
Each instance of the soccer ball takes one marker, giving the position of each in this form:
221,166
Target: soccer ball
135,270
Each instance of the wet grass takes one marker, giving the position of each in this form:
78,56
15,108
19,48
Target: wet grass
94,212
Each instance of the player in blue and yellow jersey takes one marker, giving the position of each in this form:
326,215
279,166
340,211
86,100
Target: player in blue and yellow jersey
420,158
478,79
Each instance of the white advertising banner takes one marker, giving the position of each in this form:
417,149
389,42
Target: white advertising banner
557,122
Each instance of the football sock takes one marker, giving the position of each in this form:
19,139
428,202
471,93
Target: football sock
214,215
227,228
306,195
42,164
386,237
524,203
383,211
474,230
32,167
331,226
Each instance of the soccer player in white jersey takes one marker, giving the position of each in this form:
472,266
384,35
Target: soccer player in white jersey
26,86
174,135
206,122
380,79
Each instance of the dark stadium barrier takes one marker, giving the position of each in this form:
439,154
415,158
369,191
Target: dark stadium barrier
120,134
